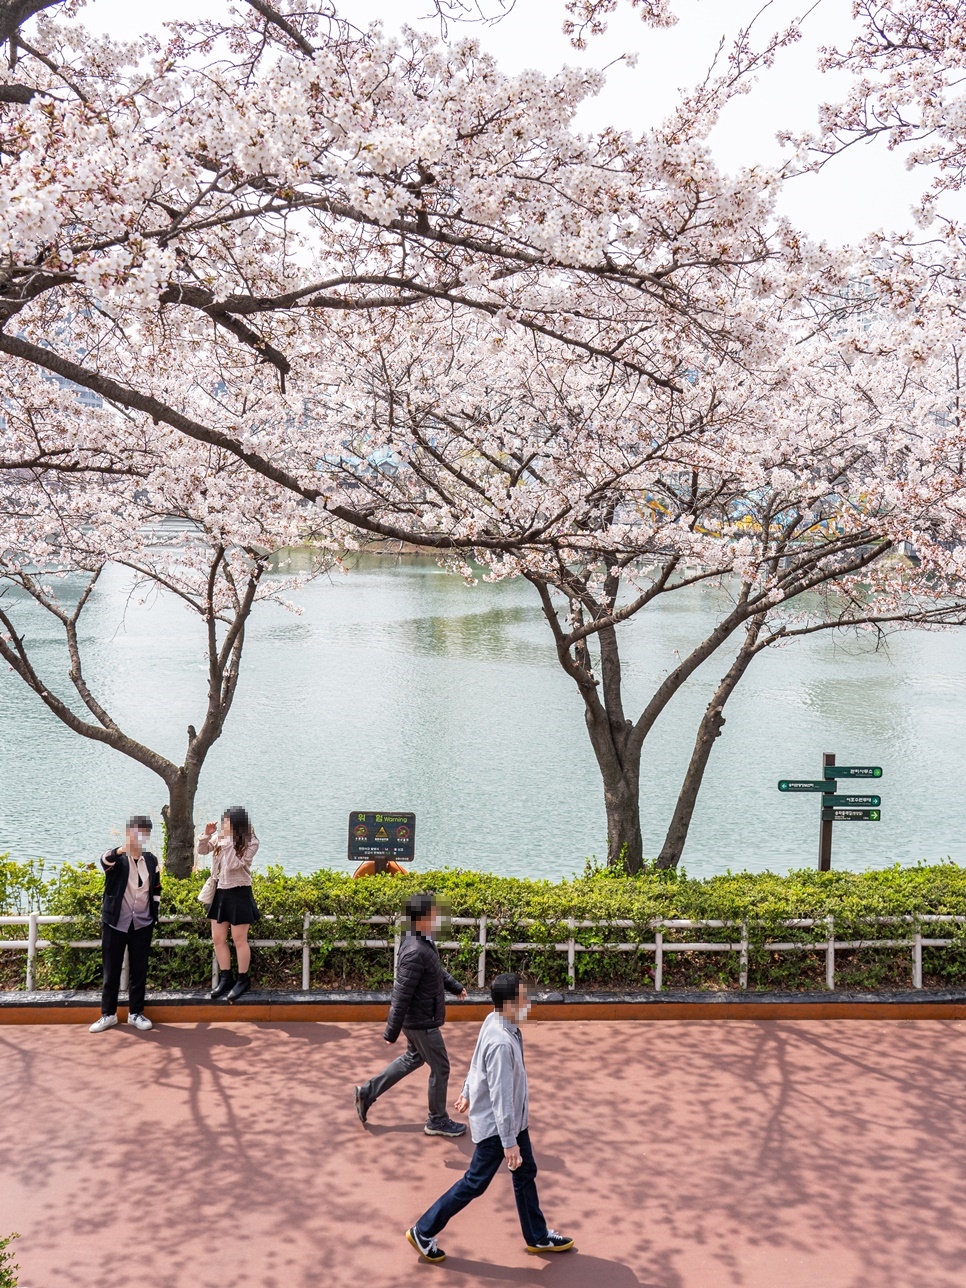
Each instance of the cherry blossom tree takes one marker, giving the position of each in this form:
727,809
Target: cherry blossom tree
202,533
793,497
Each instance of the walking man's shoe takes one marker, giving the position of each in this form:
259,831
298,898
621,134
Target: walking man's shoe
554,1242
428,1249
361,1107
105,1022
140,1022
448,1128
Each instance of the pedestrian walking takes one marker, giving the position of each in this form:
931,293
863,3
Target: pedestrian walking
418,1011
129,908
232,846
495,1094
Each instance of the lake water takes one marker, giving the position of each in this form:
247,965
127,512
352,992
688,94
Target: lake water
402,689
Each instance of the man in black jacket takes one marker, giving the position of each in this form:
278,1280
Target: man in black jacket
418,1009
129,909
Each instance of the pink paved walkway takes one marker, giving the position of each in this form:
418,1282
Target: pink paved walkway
680,1155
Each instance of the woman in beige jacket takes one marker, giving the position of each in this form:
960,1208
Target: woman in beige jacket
232,846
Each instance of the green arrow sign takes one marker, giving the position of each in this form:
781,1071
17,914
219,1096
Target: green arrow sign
805,785
851,815
874,801
853,771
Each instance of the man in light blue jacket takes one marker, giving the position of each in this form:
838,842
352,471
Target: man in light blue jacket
495,1093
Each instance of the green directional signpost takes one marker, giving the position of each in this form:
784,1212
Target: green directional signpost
836,806
872,801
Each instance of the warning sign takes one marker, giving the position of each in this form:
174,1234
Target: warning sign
381,836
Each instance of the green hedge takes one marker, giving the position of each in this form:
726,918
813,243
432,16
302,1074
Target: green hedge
763,899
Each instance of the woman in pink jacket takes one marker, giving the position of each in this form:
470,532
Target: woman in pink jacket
232,851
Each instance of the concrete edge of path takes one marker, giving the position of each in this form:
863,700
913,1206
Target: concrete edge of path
332,1007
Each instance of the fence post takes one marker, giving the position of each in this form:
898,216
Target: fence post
658,960
830,955
126,974
571,957
31,949
481,964
395,949
306,954
743,959
917,959
214,970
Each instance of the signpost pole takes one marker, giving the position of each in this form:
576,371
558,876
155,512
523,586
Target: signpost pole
825,827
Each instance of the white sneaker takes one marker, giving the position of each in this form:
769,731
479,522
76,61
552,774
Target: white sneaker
140,1022
105,1022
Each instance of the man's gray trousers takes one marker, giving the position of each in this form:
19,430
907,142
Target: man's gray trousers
423,1046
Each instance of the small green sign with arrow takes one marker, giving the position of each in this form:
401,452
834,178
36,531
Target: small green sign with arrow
853,771
851,815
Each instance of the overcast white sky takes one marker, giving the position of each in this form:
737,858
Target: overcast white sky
869,188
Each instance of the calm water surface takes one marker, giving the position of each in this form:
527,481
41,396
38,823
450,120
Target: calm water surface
401,688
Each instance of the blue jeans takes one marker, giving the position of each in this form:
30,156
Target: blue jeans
486,1161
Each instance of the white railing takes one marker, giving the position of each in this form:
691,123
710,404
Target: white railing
659,945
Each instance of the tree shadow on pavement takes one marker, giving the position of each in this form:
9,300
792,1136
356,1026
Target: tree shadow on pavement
201,1038
746,1154
312,1033
564,1270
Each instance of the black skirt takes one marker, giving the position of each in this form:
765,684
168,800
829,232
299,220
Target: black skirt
236,905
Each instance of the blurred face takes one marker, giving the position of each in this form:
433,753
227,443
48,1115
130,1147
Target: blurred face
137,838
429,924
516,1012
225,828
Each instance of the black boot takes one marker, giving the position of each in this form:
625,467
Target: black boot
225,980
242,985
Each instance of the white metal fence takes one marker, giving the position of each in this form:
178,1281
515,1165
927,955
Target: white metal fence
659,945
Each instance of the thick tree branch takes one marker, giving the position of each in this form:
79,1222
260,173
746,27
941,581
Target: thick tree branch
14,13
272,15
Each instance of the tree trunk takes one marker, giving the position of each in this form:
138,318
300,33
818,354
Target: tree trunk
620,769
625,849
612,736
179,821
712,723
